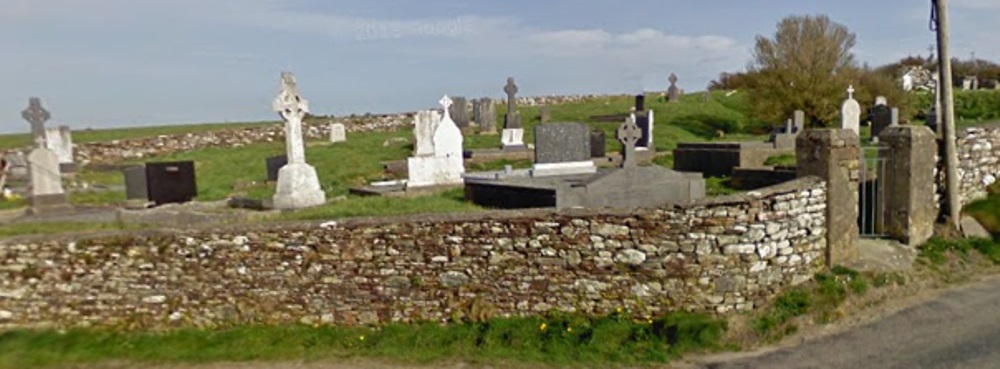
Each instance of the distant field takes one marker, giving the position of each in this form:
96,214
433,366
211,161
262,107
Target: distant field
11,141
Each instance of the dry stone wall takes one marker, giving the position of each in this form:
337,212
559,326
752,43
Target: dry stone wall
720,255
978,161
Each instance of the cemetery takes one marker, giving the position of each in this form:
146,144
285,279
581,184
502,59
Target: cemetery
478,208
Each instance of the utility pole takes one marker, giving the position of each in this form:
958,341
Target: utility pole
947,113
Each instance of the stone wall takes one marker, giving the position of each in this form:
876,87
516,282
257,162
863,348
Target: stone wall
978,161
719,255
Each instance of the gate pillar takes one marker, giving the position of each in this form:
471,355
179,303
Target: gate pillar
833,155
909,182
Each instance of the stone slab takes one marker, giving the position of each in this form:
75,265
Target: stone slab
971,228
298,187
562,142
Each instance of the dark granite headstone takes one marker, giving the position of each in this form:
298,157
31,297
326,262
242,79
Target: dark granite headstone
881,118
274,164
562,142
512,120
171,182
487,118
37,116
135,183
598,144
459,111
642,121
640,102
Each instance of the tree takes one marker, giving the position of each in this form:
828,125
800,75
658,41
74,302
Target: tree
807,66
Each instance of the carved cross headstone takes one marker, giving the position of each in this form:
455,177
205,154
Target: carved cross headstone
851,113
292,108
629,134
673,93
37,116
446,104
511,90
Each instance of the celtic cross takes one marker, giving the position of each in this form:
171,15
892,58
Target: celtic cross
629,134
292,108
37,116
446,104
511,90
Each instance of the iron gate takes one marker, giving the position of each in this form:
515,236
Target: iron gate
871,191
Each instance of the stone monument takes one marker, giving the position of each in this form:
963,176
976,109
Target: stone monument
513,132
60,141
850,113
444,164
673,93
46,194
562,148
298,184
37,116
338,132
486,116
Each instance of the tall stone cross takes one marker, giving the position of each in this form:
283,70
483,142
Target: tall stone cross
629,134
672,79
292,108
511,90
37,116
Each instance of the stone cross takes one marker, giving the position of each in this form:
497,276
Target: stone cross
629,134
292,108
37,116
850,113
446,104
511,90
673,93
850,92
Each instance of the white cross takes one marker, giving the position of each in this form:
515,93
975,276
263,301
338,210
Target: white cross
850,91
446,104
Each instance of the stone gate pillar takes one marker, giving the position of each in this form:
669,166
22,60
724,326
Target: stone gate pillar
834,156
909,182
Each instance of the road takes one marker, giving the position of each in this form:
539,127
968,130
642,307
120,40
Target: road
958,329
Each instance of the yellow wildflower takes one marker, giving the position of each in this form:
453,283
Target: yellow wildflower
619,310
361,338
543,326
569,329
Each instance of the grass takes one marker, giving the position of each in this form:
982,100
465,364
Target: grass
987,211
452,201
51,228
558,339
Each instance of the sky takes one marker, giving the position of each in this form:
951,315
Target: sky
122,63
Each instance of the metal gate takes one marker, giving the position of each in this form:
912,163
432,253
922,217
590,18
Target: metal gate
871,191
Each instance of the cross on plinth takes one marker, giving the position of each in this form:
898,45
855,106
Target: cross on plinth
37,116
629,134
850,92
446,104
672,79
511,90
292,108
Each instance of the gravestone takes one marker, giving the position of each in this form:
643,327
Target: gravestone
513,132
881,118
171,182
459,112
338,132
895,117
17,165
298,185
881,100
37,116
543,114
562,148
46,193
850,113
640,102
487,118
644,120
60,141
445,165
135,184
273,165
598,145
629,135
423,132
799,120
673,93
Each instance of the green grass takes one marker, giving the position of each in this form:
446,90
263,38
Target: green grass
49,228
787,160
987,211
718,186
358,206
566,340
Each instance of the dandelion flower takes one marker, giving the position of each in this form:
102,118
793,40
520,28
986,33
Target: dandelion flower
361,338
619,310
543,326
569,329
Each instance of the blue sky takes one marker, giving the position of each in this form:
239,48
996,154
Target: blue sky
115,63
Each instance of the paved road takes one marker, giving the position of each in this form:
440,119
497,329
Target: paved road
959,329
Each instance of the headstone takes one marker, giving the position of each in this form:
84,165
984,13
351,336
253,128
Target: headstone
881,100
338,132
543,114
445,165
60,141
645,122
598,144
640,102
298,185
17,165
513,132
975,83
850,113
895,117
881,118
171,182
46,194
274,165
799,120
629,134
487,119
673,93
562,148
423,132
966,84
459,111
37,116
135,184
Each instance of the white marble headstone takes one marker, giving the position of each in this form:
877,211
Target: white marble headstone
338,133
423,133
447,136
43,169
850,113
445,165
60,141
881,100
